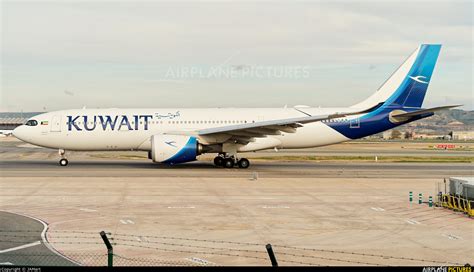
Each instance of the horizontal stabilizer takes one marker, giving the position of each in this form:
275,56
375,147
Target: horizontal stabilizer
423,111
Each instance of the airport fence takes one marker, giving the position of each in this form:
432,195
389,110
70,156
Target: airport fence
121,249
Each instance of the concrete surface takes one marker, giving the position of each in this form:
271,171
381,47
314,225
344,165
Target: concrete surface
334,213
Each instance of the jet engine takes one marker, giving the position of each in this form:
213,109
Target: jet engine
173,149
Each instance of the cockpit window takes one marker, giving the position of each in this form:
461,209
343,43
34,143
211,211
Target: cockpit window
31,123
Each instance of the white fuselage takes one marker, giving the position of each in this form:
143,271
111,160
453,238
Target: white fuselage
90,129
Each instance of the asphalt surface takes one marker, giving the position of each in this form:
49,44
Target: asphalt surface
133,168
21,243
18,159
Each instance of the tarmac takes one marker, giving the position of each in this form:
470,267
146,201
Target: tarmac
313,213
23,242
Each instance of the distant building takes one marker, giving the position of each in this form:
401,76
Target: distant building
10,120
462,135
455,124
421,136
393,134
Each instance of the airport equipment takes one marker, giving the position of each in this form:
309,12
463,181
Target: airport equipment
420,198
254,176
468,191
460,196
457,186
110,249
411,196
430,201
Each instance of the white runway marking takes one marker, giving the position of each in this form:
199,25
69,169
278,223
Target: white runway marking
6,263
452,236
127,221
199,261
275,207
181,207
378,209
87,210
413,222
141,239
21,247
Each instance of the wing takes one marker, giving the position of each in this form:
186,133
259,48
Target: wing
244,133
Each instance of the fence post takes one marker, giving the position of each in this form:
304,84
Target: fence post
271,254
110,249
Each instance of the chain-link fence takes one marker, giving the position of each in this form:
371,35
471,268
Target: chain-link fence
120,249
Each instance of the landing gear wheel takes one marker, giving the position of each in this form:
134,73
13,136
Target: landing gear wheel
243,163
228,163
63,162
218,161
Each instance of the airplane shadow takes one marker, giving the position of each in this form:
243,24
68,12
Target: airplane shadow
96,164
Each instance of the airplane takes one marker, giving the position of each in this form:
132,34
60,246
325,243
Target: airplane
178,135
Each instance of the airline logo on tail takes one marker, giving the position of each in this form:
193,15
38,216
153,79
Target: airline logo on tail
418,79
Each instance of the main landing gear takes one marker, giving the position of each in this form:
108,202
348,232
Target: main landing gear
227,161
63,161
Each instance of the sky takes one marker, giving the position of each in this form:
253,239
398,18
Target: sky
151,54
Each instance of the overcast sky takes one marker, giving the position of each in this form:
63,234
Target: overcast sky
65,54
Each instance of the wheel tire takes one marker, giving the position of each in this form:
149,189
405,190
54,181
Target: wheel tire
228,163
243,163
63,162
218,161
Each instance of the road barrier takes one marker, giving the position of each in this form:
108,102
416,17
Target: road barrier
459,204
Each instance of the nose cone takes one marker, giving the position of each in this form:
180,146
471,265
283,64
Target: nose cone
19,132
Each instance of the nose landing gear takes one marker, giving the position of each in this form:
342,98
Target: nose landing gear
63,161
229,161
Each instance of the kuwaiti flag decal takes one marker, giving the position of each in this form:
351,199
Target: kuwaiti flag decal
44,123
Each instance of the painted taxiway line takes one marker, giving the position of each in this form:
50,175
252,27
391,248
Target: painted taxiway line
21,247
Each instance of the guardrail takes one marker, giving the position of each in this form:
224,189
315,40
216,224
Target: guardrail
458,203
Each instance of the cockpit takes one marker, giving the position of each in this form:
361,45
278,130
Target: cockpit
31,123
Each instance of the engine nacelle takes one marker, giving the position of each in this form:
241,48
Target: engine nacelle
173,149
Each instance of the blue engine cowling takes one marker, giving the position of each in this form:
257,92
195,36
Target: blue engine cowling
173,149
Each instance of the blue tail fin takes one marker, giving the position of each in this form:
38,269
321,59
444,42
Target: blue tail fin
412,90
407,86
